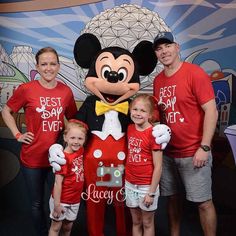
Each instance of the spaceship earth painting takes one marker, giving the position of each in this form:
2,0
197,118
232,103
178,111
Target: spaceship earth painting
205,30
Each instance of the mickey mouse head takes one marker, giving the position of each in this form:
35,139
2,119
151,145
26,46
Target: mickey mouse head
114,72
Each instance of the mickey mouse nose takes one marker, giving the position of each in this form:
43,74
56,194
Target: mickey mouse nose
112,77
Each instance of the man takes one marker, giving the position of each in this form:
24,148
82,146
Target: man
187,105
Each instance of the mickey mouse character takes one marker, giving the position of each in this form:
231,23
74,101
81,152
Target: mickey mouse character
113,78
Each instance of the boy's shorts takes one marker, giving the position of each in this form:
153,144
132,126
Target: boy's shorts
70,211
134,195
180,172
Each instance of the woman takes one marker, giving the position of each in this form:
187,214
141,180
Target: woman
45,102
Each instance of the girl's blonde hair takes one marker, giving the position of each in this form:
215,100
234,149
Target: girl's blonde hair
151,103
76,123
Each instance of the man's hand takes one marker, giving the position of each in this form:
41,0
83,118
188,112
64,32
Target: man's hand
162,135
200,158
56,157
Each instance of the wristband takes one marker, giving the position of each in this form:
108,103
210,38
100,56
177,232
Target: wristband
18,135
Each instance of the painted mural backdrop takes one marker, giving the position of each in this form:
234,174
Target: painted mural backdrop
205,30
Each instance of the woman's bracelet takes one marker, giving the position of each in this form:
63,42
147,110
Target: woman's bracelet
18,135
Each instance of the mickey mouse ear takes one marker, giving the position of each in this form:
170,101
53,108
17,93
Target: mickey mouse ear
85,48
145,57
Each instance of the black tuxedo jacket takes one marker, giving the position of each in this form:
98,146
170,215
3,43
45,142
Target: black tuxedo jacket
87,114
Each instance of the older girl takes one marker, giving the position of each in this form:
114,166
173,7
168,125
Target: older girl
143,166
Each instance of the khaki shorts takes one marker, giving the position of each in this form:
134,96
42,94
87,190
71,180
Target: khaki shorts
179,174
70,211
134,196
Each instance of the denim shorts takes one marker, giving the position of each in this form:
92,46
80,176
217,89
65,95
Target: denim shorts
179,174
134,195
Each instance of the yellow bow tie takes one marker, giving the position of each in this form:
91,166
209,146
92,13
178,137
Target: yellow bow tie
102,107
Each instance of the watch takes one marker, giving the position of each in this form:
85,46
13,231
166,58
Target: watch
205,148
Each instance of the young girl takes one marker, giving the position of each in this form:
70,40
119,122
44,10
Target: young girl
65,200
143,166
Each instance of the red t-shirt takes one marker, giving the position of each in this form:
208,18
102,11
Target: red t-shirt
139,164
44,115
73,172
180,98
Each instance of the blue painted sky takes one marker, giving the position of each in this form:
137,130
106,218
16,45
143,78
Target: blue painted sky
197,25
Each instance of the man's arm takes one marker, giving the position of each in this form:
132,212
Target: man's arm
210,120
209,125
